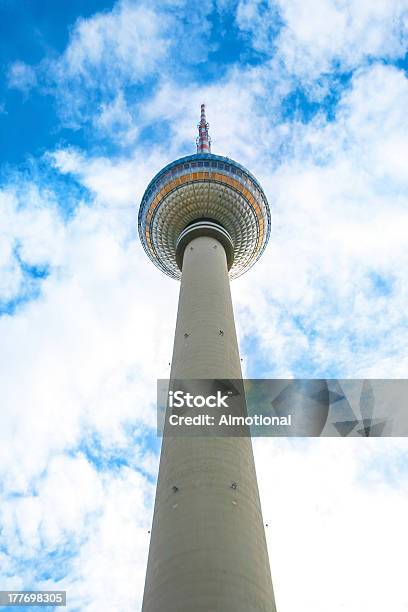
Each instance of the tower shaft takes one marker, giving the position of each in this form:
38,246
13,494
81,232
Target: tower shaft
208,550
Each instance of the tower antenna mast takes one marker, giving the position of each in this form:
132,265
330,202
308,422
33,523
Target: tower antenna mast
203,140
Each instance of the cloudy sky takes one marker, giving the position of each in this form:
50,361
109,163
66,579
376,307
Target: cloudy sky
95,97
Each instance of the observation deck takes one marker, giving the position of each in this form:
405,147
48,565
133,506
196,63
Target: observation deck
204,186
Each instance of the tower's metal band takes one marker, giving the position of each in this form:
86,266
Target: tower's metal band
205,228
204,186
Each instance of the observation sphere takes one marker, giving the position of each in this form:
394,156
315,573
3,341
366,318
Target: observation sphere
214,190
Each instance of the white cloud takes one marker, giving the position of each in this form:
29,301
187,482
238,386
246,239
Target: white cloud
79,366
318,33
100,519
334,523
21,76
127,42
376,123
71,489
117,548
117,182
30,231
339,213
106,53
85,367
110,56
116,120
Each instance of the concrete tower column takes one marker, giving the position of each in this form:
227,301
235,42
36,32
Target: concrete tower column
208,550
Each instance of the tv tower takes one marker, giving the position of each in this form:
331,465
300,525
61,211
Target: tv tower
205,219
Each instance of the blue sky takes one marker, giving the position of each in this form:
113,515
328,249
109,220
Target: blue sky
29,31
95,98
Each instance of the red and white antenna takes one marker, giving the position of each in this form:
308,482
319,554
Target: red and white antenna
203,140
